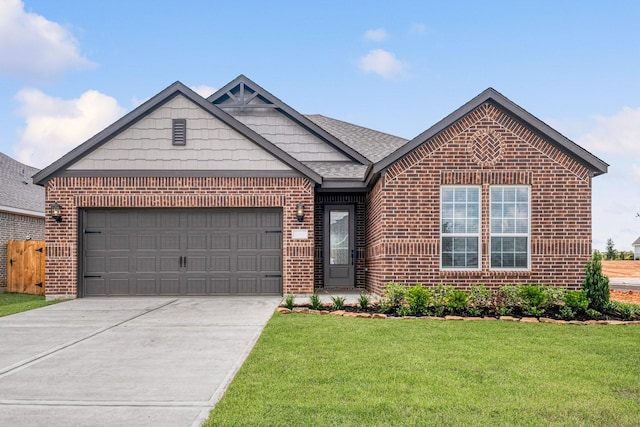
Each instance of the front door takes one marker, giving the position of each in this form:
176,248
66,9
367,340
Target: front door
339,246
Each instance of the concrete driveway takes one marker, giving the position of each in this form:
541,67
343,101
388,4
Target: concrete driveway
125,361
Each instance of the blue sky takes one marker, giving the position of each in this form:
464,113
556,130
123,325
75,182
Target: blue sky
69,68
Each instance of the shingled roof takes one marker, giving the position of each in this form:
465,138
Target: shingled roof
372,144
18,193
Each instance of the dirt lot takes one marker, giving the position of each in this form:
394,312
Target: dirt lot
613,269
625,296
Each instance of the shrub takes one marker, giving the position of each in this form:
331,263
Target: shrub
506,298
625,310
417,299
595,284
392,298
534,300
338,302
288,301
555,295
315,301
364,300
457,300
567,313
479,296
577,301
439,295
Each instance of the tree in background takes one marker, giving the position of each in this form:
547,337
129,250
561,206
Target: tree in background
611,251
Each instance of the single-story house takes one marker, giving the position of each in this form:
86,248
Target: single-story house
239,193
21,208
636,248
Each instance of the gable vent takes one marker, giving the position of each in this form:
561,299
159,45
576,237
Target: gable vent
179,132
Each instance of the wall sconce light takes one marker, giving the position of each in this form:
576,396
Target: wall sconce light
300,212
56,212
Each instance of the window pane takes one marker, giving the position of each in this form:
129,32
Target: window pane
496,210
509,194
447,244
522,226
523,194
447,195
473,195
521,244
339,237
460,216
496,195
509,252
447,226
496,226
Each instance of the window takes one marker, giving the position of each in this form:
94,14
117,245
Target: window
179,132
510,227
460,231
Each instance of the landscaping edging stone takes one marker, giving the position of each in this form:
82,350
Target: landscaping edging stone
343,313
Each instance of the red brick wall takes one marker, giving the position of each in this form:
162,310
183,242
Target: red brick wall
403,209
74,193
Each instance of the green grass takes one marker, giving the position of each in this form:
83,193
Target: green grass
331,371
16,303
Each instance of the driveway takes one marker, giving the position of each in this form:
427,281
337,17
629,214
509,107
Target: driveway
125,361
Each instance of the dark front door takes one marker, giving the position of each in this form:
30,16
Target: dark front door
339,246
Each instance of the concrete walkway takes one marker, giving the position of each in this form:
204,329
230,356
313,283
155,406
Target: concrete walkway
125,361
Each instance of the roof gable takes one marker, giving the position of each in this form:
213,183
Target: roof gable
593,163
177,88
242,95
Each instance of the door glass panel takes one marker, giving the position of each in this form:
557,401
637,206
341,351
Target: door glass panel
339,237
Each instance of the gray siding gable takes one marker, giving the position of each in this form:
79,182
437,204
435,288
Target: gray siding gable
281,124
18,194
61,166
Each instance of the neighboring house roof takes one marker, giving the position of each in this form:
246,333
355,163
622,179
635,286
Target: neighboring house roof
637,242
18,194
374,145
593,163
176,88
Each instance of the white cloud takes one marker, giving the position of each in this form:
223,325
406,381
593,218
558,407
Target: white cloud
381,62
376,35
33,47
619,133
55,126
203,90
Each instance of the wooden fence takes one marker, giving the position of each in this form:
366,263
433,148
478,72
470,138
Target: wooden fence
25,266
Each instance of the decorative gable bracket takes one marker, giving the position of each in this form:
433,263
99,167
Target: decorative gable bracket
243,97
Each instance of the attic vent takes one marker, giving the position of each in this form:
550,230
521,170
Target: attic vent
179,132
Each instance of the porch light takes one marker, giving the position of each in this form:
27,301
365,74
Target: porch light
300,212
56,212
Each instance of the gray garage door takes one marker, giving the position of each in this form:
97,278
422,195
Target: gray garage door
181,252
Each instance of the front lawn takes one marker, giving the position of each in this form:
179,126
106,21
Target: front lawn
326,370
15,303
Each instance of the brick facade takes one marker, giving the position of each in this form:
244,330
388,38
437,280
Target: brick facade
75,193
486,147
16,227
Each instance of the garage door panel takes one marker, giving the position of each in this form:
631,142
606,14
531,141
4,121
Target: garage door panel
197,286
222,251
146,264
146,286
221,241
270,263
170,286
271,285
118,287
119,264
247,241
247,285
95,287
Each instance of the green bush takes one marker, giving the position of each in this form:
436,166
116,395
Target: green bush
578,301
457,301
555,295
439,295
417,299
595,284
534,300
625,310
506,298
338,302
288,301
315,301
479,296
364,300
392,298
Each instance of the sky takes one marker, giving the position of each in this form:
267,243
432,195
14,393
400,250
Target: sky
69,68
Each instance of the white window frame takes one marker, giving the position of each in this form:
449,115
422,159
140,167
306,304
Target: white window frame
515,234
477,235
